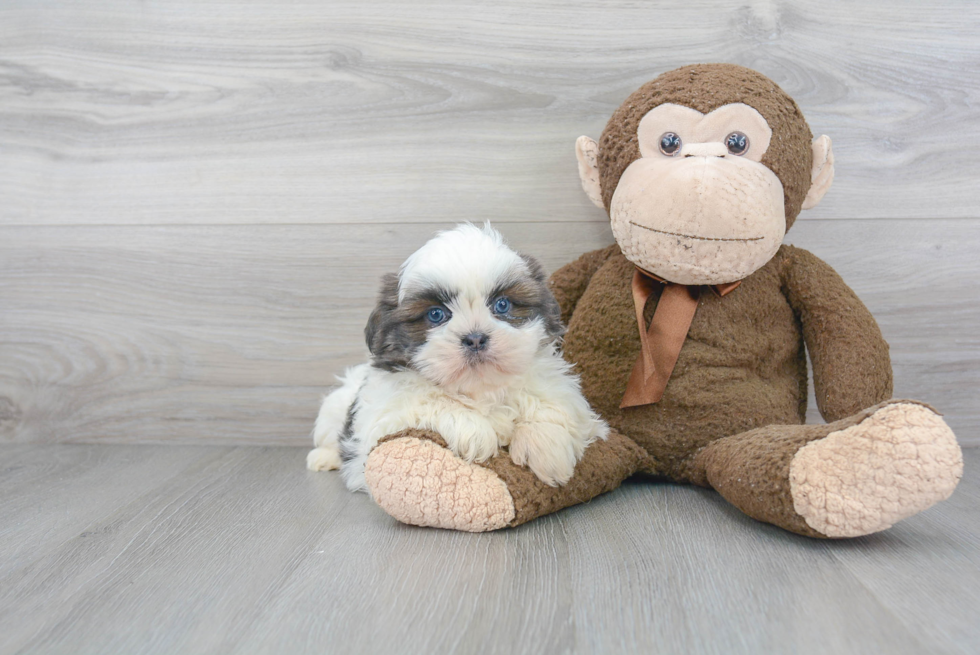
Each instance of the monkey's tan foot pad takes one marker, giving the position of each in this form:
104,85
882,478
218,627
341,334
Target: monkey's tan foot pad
416,479
896,460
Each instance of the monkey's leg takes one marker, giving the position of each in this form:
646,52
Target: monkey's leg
849,478
416,479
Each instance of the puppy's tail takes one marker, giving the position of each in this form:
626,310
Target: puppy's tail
332,420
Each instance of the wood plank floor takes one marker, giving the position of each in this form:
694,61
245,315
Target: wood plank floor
148,549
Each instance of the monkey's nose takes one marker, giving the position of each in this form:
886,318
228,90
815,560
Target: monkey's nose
476,341
710,149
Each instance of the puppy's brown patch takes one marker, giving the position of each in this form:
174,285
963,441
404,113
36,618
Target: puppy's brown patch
391,338
395,332
530,298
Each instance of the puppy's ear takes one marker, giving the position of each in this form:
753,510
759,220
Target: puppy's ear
382,327
548,308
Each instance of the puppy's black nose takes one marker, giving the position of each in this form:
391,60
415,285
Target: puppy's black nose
476,341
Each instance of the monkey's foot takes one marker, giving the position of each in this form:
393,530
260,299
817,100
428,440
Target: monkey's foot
891,462
415,478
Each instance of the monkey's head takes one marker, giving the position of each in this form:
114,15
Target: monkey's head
702,172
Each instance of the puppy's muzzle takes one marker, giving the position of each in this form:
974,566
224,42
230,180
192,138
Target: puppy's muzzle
476,342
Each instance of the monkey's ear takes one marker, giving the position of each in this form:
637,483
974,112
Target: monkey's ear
587,152
822,174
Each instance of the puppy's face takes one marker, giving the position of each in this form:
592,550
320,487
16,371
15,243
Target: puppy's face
466,312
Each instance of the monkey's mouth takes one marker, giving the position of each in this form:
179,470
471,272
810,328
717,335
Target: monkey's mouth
691,236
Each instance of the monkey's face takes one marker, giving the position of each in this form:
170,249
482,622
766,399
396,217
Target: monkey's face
702,171
698,206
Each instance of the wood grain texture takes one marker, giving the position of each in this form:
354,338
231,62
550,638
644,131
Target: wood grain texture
229,335
244,551
932,559
196,335
49,497
121,112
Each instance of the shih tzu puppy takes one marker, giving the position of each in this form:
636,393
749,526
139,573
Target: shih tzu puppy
464,342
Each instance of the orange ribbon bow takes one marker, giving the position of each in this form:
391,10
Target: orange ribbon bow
661,342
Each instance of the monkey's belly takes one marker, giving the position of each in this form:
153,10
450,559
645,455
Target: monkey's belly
742,366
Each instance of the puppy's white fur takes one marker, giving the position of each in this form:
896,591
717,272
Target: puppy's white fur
517,393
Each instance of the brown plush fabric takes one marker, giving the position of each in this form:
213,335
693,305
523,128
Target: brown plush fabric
603,468
570,282
851,366
752,470
705,87
743,365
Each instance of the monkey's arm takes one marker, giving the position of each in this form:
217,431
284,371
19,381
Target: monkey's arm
851,367
570,281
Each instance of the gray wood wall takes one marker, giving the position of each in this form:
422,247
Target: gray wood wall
197,199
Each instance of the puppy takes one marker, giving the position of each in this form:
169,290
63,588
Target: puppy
464,341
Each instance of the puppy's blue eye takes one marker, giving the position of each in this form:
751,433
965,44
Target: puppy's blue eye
436,315
501,306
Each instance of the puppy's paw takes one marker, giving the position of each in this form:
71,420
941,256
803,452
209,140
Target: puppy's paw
323,459
470,436
545,448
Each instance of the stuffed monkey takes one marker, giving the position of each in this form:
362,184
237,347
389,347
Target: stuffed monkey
690,335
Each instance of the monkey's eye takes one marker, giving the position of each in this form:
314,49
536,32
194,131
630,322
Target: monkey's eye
437,315
670,144
738,143
501,305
